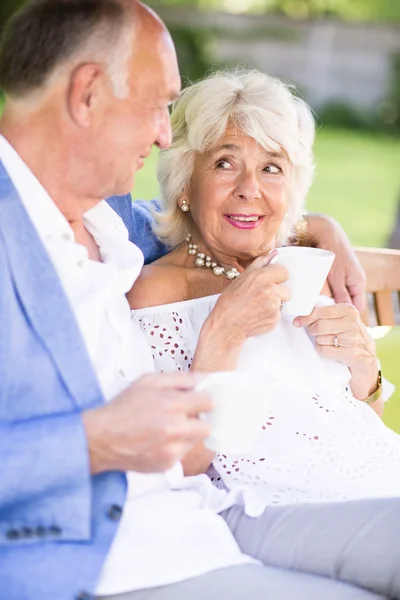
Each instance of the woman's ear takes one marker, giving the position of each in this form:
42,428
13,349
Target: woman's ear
86,87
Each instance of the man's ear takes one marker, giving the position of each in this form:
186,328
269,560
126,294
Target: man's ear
84,93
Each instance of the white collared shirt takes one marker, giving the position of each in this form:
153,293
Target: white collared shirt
170,530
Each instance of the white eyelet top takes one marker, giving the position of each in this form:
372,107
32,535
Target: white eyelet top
319,443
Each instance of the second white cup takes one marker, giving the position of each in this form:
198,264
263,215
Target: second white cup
240,408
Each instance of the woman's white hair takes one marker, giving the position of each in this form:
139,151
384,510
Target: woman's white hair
262,107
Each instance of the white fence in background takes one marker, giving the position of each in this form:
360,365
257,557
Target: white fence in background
328,59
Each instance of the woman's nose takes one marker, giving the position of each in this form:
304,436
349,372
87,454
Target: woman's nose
248,187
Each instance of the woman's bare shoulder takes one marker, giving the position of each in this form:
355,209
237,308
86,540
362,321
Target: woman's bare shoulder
158,284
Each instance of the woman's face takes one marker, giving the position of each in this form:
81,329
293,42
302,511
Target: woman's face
238,197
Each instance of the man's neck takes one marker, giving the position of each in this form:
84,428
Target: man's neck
45,156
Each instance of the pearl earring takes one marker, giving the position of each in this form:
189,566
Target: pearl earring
184,206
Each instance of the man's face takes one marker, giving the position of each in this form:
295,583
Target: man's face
132,125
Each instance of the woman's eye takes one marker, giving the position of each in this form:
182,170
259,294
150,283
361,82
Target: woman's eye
223,164
271,168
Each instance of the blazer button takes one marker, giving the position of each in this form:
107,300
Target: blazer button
54,531
27,532
84,596
13,534
40,531
114,512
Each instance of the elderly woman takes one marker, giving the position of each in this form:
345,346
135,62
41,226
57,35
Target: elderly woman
234,183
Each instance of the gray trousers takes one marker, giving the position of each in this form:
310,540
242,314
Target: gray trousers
343,551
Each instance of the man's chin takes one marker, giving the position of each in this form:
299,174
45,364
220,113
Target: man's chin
124,188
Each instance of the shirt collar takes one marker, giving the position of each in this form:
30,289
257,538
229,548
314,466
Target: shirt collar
107,228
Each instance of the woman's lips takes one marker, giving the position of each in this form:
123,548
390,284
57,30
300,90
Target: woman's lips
244,221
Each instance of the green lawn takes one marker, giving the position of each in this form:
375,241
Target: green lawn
358,182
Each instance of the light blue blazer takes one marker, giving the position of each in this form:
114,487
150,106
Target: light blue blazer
56,521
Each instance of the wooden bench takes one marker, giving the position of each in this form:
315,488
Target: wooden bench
382,268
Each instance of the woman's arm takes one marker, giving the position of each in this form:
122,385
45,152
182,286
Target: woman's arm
247,307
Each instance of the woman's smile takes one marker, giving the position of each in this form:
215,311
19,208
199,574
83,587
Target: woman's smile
241,221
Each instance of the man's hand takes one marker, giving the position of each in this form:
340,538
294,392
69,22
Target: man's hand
149,427
346,278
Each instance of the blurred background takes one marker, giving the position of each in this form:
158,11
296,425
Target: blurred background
344,58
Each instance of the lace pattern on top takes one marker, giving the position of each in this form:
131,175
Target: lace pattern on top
316,446
168,340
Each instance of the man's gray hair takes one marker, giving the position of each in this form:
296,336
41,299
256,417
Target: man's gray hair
46,36
262,107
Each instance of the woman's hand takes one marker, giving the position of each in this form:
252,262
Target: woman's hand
249,306
355,349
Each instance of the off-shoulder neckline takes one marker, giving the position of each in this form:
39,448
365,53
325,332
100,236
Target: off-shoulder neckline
180,305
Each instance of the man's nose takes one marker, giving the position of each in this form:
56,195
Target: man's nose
248,186
164,137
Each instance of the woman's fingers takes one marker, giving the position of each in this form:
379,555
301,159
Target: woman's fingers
334,311
332,326
261,261
346,339
341,354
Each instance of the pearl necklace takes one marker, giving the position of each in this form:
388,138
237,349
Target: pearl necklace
202,260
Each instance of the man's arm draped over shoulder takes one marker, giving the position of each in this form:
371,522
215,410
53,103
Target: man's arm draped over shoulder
346,279
139,220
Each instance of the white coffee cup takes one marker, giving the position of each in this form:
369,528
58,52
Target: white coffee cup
240,408
308,269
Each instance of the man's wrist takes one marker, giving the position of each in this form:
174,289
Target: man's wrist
321,229
314,230
300,235
95,435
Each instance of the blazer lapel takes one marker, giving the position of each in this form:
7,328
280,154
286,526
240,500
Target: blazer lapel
42,296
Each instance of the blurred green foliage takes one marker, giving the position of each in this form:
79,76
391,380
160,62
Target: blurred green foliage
369,10
192,49
7,7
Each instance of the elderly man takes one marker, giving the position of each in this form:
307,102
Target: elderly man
92,497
